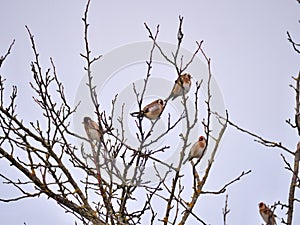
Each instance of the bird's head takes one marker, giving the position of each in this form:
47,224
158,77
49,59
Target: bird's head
86,119
261,205
186,77
201,138
161,102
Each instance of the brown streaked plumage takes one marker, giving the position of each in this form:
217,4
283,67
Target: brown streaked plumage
92,129
197,150
182,85
151,111
266,214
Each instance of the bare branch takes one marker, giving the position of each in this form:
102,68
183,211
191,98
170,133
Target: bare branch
297,103
226,211
105,193
259,139
2,58
293,186
224,188
294,44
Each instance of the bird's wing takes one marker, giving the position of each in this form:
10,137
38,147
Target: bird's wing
94,126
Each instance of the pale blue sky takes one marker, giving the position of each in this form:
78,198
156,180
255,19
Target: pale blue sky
252,61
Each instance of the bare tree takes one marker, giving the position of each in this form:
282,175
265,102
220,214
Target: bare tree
106,193
293,167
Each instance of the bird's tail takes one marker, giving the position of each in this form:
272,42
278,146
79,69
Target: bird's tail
174,97
137,114
171,96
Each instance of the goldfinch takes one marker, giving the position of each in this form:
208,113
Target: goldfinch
197,150
151,111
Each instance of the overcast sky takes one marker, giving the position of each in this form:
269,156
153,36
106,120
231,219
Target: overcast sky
252,62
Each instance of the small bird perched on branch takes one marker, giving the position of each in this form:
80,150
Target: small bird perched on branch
182,85
151,111
266,214
197,150
92,129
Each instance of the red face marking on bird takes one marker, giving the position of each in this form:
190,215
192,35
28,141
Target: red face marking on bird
182,85
261,204
201,138
202,142
160,101
197,150
186,78
266,214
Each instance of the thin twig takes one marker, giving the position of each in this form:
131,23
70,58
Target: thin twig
2,58
226,211
259,139
223,189
294,44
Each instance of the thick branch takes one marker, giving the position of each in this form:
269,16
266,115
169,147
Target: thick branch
293,186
